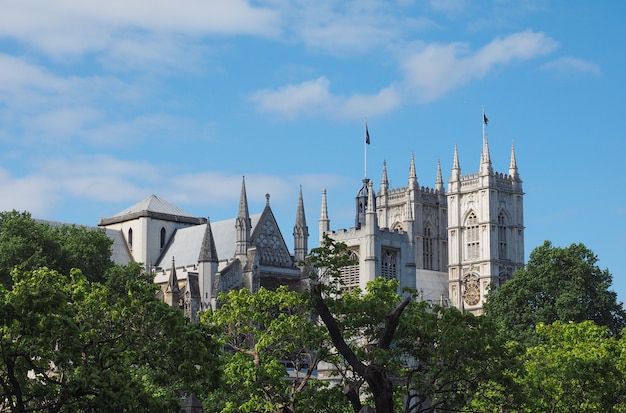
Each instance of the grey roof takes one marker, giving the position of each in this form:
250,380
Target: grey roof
153,207
154,204
186,242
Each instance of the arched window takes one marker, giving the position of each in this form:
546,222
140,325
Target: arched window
388,265
472,237
130,238
350,274
163,235
428,248
502,239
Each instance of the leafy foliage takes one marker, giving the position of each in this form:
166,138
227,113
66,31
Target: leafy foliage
268,336
557,284
70,345
398,346
30,245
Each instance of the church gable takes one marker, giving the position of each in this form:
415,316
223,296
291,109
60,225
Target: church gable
269,241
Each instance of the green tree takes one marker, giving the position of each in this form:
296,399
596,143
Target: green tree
272,349
72,345
557,284
401,353
31,244
578,368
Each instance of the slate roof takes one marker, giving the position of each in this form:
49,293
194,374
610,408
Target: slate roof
186,243
153,207
154,204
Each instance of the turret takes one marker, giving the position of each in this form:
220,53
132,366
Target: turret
361,204
513,165
207,266
384,182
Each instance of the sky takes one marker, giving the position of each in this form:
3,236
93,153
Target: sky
103,103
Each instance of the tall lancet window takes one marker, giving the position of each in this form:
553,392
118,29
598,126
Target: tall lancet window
502,239
163,237
428,248
350,273
389,267
130,238
472,237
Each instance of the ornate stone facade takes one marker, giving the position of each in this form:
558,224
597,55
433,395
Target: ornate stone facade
451,246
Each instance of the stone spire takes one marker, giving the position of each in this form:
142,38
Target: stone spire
300,232
513,165
371,207
243,224
456,168
412,174
324,222
208,252
384,182
439,182
172,282
485,161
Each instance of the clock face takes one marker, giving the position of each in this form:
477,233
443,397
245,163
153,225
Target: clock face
471,295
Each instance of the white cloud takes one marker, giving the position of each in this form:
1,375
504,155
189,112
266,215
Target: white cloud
78,26
570,65
439,68
314,97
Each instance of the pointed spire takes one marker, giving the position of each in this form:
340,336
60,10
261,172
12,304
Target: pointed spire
384,182
208,251
243,201
300,231
243,224
172,283
412,174
513,165
324,222
439,182
456,168
485,162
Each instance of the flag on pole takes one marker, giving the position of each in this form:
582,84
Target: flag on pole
485,119
367,135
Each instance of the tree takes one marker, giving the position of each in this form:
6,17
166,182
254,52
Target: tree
400,347
557,284
71,345
272,348
451,355
578,367
30,244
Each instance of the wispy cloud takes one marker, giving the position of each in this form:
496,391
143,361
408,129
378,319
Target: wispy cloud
313,97
439,68
572,65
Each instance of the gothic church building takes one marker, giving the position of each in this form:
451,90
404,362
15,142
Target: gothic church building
452,246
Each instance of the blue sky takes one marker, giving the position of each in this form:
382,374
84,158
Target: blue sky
104,103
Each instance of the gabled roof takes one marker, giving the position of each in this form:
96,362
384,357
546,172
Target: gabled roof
153,207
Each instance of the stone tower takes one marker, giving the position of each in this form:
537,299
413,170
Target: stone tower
485,230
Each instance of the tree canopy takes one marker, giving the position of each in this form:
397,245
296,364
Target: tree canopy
557,284
30,245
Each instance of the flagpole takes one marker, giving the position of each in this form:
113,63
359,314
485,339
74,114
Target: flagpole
365,149
483,122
